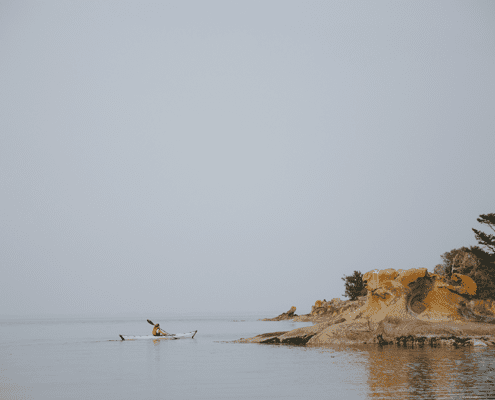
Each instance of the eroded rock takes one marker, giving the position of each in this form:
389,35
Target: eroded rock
335,307
401,307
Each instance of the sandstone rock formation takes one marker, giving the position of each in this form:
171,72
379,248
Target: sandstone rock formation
400,306
335,307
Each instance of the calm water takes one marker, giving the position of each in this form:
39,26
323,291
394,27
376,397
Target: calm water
69,358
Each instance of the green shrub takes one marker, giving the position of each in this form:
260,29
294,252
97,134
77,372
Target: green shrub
354,285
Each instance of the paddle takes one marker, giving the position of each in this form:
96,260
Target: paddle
151,323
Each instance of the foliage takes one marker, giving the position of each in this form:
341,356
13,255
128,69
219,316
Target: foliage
486,253
457,260
481,309
476,262
354,285
484,274
440,269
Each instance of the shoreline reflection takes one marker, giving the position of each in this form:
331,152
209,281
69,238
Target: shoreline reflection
426,372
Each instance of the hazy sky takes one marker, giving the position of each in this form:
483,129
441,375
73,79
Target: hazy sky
182,156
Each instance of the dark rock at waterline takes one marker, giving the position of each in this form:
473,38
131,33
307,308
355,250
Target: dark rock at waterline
434,341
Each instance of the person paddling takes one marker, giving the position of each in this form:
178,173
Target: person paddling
158,332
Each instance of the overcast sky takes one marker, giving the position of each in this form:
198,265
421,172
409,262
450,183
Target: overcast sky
167,157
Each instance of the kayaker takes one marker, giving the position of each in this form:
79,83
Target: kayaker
158,332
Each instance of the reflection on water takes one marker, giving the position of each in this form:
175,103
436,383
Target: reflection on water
75,360
423,373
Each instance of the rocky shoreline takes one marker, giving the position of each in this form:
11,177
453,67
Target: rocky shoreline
402,308
390,331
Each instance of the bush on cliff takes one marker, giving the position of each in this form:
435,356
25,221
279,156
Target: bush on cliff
354,285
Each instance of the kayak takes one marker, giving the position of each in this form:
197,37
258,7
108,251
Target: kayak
172,336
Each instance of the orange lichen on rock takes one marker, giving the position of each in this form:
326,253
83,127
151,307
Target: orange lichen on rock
411,295
415,293
467,285
376,277
442,304
411,275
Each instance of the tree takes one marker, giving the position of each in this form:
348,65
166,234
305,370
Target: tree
484,274
354,285
440,269
486,253
459,260
476,262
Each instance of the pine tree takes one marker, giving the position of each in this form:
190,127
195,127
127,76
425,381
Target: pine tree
484,275
487,241
354,285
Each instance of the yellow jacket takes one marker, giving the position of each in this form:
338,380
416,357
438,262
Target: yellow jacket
158,332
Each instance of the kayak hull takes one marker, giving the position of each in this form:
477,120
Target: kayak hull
173,336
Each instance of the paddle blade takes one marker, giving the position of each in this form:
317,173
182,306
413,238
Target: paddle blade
150,322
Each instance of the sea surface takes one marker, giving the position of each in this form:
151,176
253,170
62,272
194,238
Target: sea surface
84,358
